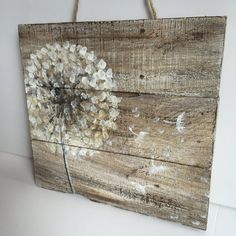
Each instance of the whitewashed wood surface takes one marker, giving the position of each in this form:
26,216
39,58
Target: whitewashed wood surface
14,136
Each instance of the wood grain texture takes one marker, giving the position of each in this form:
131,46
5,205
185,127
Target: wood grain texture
180,56
158,160
49,167
129,182
147,128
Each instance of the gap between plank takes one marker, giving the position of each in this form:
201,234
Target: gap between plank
161,94
147,158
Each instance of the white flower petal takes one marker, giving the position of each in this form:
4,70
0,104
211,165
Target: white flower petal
102,64
83,51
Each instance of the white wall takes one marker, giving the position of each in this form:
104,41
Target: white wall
14,132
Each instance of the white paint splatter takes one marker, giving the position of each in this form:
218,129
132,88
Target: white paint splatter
130,128
180,125
195,222
83,152
174,217
154,169
169,122
139,187
135,111
140,135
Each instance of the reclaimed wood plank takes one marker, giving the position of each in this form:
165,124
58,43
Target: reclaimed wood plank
150,126
179,56
158,159
138,184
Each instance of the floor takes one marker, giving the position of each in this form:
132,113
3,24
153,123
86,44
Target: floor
26,209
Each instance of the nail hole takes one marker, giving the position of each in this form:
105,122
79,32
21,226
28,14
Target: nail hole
141,76
142,31
198,35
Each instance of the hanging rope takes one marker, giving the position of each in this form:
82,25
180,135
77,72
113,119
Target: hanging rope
75,11
151,8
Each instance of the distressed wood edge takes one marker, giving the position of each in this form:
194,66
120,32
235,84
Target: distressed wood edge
223,17
213,142
96,199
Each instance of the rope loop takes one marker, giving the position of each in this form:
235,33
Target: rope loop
150,5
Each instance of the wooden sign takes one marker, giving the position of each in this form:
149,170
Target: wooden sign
124,112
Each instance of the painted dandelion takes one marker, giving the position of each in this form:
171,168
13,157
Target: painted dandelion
68,91
150,153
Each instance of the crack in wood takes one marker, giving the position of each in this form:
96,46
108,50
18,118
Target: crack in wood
132,93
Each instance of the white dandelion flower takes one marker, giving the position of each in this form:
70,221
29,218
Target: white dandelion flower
63,86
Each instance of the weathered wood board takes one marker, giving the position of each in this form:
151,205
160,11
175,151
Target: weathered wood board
146,142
